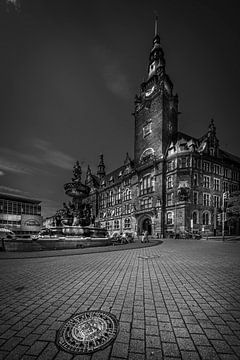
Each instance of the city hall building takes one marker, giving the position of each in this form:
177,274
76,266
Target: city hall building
175,182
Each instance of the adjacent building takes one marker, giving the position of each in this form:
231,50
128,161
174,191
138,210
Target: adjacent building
175,182
19,214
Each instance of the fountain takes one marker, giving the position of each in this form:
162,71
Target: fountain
74,223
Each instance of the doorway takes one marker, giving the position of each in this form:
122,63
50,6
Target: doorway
147,226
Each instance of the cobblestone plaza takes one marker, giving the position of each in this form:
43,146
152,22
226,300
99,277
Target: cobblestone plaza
177,300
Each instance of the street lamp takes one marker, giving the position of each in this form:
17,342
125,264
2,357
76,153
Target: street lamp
224,198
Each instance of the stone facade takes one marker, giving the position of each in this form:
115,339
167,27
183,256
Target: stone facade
175,183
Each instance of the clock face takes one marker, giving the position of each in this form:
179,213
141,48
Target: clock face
149,91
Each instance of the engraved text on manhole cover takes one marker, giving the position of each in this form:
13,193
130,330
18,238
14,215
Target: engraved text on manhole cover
87,332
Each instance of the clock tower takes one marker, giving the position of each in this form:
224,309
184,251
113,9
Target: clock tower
156,108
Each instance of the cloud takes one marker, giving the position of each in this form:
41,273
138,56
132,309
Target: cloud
52,156
13,166
11,190
115,80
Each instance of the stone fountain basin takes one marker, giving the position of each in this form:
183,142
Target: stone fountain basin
74,242
55,243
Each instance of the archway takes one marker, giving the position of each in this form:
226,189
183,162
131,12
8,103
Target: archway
147,226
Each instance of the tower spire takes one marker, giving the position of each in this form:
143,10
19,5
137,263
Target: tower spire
156,24
101,167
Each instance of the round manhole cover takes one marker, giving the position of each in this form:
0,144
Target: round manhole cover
87,332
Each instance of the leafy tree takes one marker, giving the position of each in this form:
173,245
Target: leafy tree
233,207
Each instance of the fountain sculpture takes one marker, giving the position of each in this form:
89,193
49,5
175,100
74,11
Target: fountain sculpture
74,223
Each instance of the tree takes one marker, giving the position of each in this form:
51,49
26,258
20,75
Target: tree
233,205
233,210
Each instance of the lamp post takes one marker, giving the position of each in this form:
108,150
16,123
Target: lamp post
224,197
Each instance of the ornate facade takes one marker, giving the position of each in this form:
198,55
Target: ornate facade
175,182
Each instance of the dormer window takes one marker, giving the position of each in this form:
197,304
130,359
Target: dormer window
120,174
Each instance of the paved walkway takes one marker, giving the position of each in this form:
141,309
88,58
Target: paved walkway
176,300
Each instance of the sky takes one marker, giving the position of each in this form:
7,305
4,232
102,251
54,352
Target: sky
69,72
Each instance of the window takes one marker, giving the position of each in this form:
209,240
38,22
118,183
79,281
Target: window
169,218
195,217
216,201
225,186
145,203
170,199
170,165
195,197
206,218
127,208
146,185
127,195
147,129
206,181
127,223
184,162
217,169
206,166
148,154
206,199
195,179
108,225
169,182
116,224
118,196
216,184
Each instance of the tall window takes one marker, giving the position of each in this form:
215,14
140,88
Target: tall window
116,224
147,129
216,201
127,195
217,169
195,179
170,199
195,197
206,218
118,196
206,181
195,217
206,166
146,185
127,223
216,184
169,218
206,199
169,182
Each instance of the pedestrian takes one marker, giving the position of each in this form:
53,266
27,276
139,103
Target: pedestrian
145,236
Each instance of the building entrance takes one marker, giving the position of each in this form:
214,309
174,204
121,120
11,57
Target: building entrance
147,226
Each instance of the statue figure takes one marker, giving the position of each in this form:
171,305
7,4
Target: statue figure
77,172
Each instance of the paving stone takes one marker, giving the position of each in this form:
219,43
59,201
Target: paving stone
185,344
153,342
153,354
17,352
37,348
120,350
190,355
11,343
170,349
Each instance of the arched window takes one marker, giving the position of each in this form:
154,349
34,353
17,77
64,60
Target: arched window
127,223
147,154
127,195
195,217
206,218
